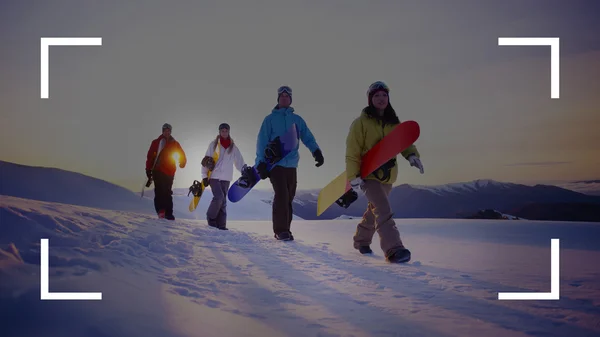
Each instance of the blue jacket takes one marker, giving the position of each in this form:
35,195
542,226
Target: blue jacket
276,124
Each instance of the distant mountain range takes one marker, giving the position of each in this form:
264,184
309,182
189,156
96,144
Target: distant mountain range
459,200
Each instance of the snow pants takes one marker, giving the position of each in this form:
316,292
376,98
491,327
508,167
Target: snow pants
284,181
163,192
378,218
216,214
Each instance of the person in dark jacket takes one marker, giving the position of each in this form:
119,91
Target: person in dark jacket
283,175
161,161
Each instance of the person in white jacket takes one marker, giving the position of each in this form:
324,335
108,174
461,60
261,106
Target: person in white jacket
221,176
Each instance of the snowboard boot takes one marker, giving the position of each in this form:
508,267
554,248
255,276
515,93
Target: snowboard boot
170,217
399,256
365,250
161,214
283,236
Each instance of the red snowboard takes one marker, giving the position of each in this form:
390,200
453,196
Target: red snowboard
398,140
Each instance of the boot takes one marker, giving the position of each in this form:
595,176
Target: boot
284,236
365,250
400,256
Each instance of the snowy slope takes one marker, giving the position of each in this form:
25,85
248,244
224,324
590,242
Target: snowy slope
182,278
56,185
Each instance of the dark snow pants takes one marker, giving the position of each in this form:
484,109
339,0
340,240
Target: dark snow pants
284,181
378,218
216,214
163,193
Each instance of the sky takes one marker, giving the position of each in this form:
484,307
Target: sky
485,111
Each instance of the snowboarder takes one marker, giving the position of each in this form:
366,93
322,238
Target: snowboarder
161,161
221,176
375,121
283,176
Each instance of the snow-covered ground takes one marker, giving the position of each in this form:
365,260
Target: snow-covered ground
254,206
182,278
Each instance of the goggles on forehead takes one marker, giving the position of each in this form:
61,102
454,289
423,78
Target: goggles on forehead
378,86
285,89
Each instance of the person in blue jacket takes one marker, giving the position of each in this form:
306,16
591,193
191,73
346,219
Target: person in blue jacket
283,176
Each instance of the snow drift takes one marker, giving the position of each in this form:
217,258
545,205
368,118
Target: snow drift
183,278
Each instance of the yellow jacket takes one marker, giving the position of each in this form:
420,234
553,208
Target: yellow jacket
365,131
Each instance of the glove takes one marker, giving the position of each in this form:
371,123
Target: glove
208,162
182,164
357,185
262,170
416,162
205,182
149,173
318,155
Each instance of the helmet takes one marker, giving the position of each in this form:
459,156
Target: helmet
283,89
223,126
375,86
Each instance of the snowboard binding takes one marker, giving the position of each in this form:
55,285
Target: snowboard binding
273,151
208,162
385,170
347,199
248,177
196,189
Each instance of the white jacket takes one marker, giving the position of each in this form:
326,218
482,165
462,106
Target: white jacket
224,166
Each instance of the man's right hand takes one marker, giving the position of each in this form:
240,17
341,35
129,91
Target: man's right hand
149,173
262,170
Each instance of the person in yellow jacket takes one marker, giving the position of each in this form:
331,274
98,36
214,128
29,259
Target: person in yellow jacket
376,121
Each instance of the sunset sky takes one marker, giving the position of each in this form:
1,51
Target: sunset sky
485,110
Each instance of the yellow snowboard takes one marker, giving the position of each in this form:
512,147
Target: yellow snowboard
196,199
333,191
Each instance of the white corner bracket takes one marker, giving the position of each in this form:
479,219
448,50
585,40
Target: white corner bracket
554,43
46,42
554,293
45,283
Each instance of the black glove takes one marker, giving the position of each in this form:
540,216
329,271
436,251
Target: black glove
318,157
205,182
149,173
262,170
208,162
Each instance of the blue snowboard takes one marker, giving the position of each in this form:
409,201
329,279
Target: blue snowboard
289,141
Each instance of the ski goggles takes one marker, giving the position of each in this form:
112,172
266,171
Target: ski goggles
378,86
285,89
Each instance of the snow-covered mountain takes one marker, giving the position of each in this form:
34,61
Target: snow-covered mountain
160,278
454,200
56,185
466,187
591,187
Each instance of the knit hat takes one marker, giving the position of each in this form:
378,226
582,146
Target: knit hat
285,89
375,88
223,126
167,126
